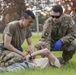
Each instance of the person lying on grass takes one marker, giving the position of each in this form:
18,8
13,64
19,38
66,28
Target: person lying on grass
48,57
48,61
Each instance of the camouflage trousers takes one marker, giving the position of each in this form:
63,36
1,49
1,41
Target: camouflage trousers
8,58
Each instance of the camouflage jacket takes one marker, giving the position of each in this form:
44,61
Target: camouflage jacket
65,31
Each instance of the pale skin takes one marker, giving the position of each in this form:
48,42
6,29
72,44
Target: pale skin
7,39
44,52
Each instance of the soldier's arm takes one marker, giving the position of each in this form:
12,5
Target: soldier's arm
44,41
30,45
71,33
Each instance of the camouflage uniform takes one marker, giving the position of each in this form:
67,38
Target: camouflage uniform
18,36
36,63
65,31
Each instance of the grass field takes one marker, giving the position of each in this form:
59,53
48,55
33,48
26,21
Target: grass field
68,69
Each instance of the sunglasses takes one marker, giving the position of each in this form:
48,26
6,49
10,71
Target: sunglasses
55,16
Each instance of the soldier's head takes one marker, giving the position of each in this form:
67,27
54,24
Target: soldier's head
57,12
27,18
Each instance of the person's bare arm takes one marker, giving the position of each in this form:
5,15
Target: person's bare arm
30,45
45,52
7,44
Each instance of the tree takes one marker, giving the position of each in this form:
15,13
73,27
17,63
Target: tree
70,7
12,9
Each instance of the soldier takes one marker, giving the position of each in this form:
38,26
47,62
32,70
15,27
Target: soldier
13,37
59,33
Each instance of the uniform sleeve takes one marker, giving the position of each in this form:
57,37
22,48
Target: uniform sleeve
71,32
10,30
44,42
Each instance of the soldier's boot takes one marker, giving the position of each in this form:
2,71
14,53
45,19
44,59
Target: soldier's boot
67,55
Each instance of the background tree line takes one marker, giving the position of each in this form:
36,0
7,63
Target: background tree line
11,10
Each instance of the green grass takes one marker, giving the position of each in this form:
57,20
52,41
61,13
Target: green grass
68,69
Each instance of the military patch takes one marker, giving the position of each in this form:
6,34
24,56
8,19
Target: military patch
72,23
46,34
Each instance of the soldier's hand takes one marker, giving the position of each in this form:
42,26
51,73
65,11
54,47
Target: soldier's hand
24,54
30,49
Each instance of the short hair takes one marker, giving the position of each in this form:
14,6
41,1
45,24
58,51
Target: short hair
28,13
57,8
25,15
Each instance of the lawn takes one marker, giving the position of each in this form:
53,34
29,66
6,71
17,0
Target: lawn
68,69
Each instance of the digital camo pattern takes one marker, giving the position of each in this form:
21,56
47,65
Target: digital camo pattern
8,58
65,31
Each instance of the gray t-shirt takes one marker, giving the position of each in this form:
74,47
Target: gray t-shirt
17,33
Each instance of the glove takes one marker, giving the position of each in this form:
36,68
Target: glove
58,45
